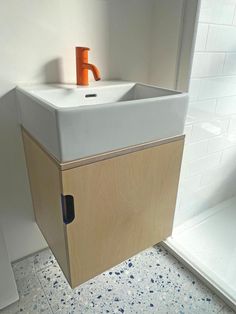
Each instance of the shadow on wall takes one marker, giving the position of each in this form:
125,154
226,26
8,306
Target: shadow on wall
16,210
52,71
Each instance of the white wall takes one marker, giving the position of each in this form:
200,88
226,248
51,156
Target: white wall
209,166
146,38
8,289
167,19
37,40
130,45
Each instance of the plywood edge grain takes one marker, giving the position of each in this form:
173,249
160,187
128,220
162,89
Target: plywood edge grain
46,188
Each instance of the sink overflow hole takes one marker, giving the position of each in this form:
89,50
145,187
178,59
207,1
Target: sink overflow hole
90,95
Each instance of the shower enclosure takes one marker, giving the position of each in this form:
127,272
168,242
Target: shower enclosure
205,221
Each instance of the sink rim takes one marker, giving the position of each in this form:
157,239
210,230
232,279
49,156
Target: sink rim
28,90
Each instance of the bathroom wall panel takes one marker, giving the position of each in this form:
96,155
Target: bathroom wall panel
165,45
130,38
152,41
211,116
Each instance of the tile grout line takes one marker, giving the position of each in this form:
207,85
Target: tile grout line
41,285
36,274
49,305
231,25
44,291
207,36
234,15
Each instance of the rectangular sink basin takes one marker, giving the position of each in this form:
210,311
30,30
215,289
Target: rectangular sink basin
73,122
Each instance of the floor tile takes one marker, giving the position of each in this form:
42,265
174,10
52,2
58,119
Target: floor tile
23,267
226,310
150,282
33,263
36,304
52,279
43,259
28,286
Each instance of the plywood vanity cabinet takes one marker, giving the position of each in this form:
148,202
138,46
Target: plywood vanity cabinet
96,212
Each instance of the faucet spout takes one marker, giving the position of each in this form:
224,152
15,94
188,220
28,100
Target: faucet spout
94,69
82,67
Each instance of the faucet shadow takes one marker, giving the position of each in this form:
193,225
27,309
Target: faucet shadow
52,71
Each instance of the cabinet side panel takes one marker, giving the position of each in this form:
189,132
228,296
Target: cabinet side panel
123,205
45,184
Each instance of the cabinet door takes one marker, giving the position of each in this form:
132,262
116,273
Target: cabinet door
123,205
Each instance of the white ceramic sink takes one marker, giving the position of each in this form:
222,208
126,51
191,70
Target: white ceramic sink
73,122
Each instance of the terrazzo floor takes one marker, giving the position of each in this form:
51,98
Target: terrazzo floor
150,282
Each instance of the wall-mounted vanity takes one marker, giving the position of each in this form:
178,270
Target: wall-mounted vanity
103,164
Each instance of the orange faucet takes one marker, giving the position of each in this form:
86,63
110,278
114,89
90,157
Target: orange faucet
82,67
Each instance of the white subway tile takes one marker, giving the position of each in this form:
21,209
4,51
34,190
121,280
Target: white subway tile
195,151
204,105
177,208
230,64
220,143
188,133
226,105
208,174
190,184
229,157
201,38
232,128
181,215
207,64
217,87
201,165
220,175
208,129
194,203
186,187
208,196
198,115
217,11
194,89
189,120
234,20
221,38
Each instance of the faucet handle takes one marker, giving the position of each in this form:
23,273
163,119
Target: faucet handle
82,48
82,53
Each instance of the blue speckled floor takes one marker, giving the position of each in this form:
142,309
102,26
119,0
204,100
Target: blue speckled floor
150,282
